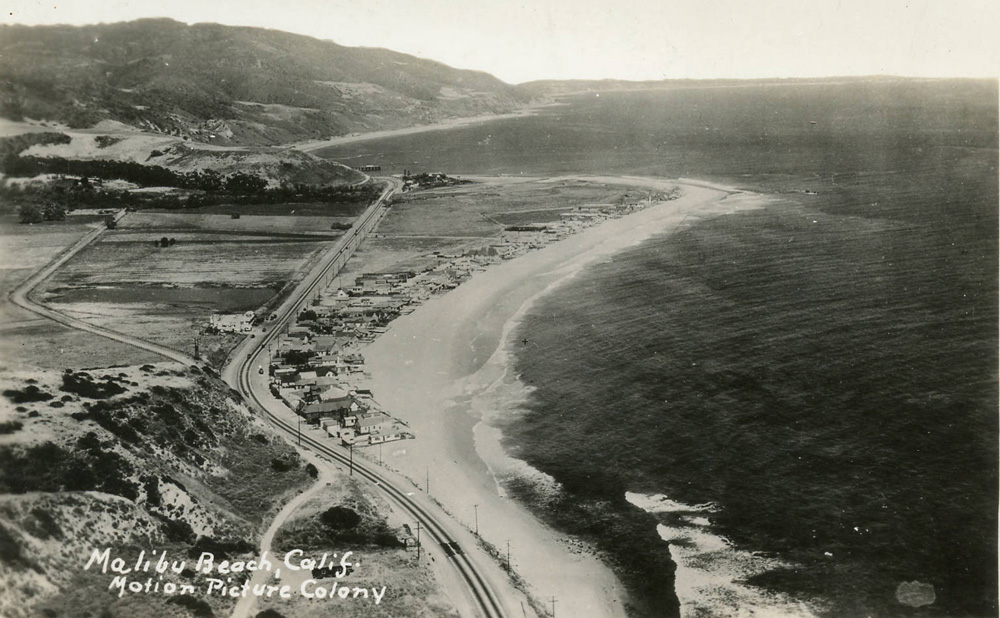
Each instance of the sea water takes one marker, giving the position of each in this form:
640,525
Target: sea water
787,411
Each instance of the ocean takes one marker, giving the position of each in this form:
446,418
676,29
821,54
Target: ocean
801,399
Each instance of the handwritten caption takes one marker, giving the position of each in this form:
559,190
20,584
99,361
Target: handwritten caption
151,573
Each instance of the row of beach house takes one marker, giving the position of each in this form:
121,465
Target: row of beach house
317,361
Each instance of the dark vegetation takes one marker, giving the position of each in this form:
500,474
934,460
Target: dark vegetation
194,425
298,357
197,607
199,189
29,394
51,468
221,80
11,553
431,180
83,384
9,427
222,550
340,518
354,522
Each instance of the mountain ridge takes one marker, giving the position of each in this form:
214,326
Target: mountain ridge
231,85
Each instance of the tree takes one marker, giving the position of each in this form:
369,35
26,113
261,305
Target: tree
54,212
298,357
31,213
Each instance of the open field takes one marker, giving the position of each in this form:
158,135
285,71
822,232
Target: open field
127,281
26,339
260,224
485,207
194,260
462,218
300,209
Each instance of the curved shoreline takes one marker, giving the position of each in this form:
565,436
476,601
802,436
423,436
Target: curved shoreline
451,123
427,371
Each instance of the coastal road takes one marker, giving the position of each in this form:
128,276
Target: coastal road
247,373
254,346
437,526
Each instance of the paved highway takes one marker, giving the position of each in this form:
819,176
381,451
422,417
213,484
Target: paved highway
243,372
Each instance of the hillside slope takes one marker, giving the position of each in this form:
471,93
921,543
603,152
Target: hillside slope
158,457
229,85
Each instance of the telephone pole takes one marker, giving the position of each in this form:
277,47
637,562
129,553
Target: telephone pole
476,507
553,607
508,556
352,459
418,541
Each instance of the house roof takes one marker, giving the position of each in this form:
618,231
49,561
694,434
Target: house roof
371,420
326,406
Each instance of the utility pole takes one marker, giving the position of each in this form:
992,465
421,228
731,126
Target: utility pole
508,556
299,430
352,459
553,607
428,481
418,541
476,507
380,453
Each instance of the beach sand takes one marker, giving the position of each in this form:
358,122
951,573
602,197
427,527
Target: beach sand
451,123
444,370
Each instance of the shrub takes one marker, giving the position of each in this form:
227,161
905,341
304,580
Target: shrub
340,518
82,384
10,427
197,607
28,394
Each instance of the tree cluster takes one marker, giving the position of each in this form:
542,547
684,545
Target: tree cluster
32,212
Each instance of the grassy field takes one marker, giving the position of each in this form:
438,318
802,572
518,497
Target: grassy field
205,221
26,339
454,220
195,259
483,209
127,281
304,209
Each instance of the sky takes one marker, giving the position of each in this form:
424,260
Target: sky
623,39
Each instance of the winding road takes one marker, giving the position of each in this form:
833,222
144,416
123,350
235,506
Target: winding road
243,373
21,296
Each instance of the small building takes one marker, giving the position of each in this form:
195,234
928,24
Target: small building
313,412
232,322
373,422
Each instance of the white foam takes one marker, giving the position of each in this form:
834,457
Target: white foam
658,503
711,572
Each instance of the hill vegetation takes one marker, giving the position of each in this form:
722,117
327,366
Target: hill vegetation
229,85
155,457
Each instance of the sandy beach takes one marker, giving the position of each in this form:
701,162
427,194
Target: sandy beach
452,123
444,370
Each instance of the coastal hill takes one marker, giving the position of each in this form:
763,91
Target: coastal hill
158,456
229,85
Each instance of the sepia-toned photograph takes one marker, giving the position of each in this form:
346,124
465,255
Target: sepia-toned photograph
441,309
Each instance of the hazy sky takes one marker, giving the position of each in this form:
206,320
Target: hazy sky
628,39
